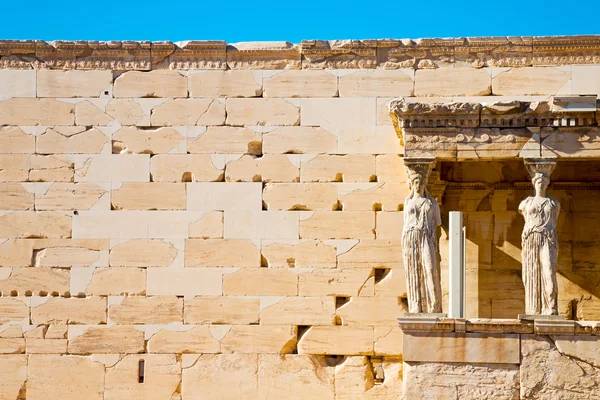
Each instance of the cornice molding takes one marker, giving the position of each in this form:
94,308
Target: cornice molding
474,52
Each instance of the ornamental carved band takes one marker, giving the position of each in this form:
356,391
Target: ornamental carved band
419,241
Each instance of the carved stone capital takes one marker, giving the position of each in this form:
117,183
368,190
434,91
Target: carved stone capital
540,166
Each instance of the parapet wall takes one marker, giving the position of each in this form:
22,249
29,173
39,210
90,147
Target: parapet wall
232,214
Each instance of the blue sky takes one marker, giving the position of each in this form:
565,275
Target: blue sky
292,21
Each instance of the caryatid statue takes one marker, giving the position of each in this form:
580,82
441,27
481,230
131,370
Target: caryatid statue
540,242
419,241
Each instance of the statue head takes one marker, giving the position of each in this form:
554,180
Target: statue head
540,175
540,183
418,173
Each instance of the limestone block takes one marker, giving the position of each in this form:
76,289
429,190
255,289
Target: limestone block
51,169
299,140
532,81
221,253
40,280
198,339
388,196
149,196
147,310
221,310
13,196
110,224
185,282
34,112
354,122
88,114
226,139
184,168
242,112
16,253
210,226
69,196
14,140
369,311
116,281
42,224
13,376
266,339
332,168
228,376
70,310
300,311
186,112
373,253
453,82
102,339
130,139
338,225
71,139
390,168
14,167
242,224
461,381
11,346
65,252
225,83
157,83
377,83
224,196
64,377
143,253
345,283
294,376
388,225
112,168
127,112
17,83
300,196
162,375
336,340
388,340
172,224
392,283
586,79
298,254
260,282
267,168
301,83
46,346
467,348
73,83
13,309
355,379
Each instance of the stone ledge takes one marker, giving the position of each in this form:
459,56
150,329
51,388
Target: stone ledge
434,53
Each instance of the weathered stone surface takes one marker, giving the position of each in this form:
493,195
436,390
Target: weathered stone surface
17,83
159,83
462,381
338,225
57,310
88,114
387,196
267,339
260,282
31,224
112,168
221,310
242,112
224,196
300,311
40,280
221,253
210,226
73,83
190,339
227,139
143,253
369,311
128,112
12,346
34,112
13,376
147,310
14,140
105,339
298,254
107,224
50,169
69,196
532,81
355,378
300,196
13,196
13,310
54,374
302,83
116,281
185,282
149,196
184,168
162,375
299,140
377,83
46,346
225,84
373,253
453,82
336,340
130,139
242,224
71,140
267,168
189,112
232,376
331,168
388,225
294,376
586,79
263,55
344,283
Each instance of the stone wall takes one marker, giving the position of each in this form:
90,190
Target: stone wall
231,215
